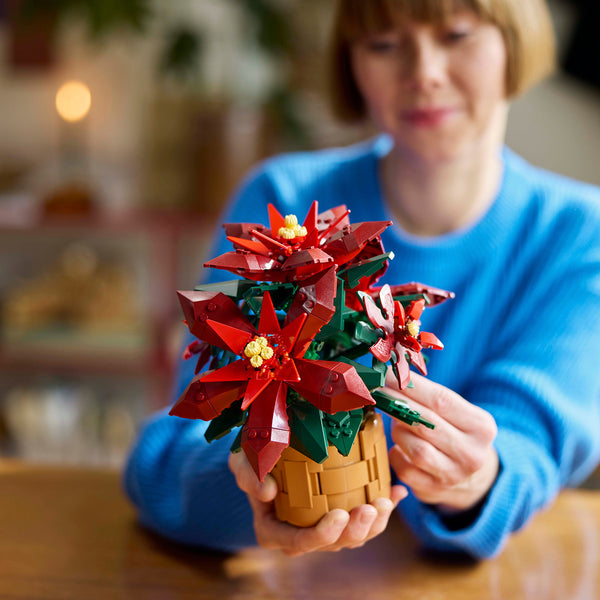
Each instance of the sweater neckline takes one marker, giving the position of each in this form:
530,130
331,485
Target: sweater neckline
481,235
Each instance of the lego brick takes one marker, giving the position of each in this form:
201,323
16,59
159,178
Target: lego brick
372,378
342,429
331,386
298,484
338,481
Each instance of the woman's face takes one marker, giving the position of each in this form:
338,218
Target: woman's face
437,89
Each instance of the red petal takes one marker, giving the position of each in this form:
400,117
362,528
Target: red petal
275,220
339,222
253,246
416,359
402,370
311,240
399,313
382,349
255,387
290,333
387,303
198,307
206,400
307,262
311,218
266,432
430,340
288,372
270,242
375,315
435,295
331,386
235,371
315,297
232,338
268,317
415,309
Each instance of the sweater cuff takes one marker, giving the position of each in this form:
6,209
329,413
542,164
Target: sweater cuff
527,480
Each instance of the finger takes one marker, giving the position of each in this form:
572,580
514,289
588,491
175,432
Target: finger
397,494
324,534
455,444
359,525
356,533
426,456
385,507
429,394
445,437
435,400
272,533
247,481
423,484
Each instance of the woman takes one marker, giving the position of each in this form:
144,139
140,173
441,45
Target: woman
515,393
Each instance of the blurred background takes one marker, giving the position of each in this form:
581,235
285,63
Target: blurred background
124,127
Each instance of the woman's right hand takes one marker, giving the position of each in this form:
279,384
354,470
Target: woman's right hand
336,530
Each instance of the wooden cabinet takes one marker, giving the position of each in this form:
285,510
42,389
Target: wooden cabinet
90,327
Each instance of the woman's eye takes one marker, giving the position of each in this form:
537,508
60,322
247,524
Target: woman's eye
456,35
382,46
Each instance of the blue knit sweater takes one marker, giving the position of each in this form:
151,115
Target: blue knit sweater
522,340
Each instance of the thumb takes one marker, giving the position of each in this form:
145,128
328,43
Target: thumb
247,481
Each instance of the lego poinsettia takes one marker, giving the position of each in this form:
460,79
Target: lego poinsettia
281,343
402,338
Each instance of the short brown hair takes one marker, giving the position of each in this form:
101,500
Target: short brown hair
526,27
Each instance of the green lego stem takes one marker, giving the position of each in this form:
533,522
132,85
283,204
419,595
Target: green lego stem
398,409
406,300
229,419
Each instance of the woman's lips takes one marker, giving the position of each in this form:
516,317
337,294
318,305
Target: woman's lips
427,117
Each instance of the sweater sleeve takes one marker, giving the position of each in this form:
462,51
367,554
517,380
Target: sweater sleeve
181,485
541,384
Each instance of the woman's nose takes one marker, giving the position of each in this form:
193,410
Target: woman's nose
425,64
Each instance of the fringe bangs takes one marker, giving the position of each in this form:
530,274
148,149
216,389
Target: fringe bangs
360,18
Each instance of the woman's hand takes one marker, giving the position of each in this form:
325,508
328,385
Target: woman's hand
336,530
453,465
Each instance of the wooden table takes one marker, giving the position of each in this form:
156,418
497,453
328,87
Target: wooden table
70,534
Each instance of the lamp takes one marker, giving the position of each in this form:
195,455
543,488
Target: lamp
73,196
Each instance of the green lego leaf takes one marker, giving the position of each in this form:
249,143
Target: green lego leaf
314,351
365,333
355,352
281,294
398,409
381,367
306,424
237,443
364,268
336,323
229,419
406,300
372,378
342,428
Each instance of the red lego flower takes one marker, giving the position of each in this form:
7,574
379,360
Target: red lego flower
287,251
401,334
270,360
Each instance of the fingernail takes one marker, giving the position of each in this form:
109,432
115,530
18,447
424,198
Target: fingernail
339,521
383,504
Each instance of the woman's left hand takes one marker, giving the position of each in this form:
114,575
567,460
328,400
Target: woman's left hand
455,464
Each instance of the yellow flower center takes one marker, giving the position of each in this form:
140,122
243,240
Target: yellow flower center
413,328
291,229
258,350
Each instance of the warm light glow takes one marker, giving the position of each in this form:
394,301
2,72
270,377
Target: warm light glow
73,101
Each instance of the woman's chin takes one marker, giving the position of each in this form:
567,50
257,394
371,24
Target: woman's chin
432,154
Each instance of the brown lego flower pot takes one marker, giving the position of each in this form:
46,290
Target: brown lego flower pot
308,490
